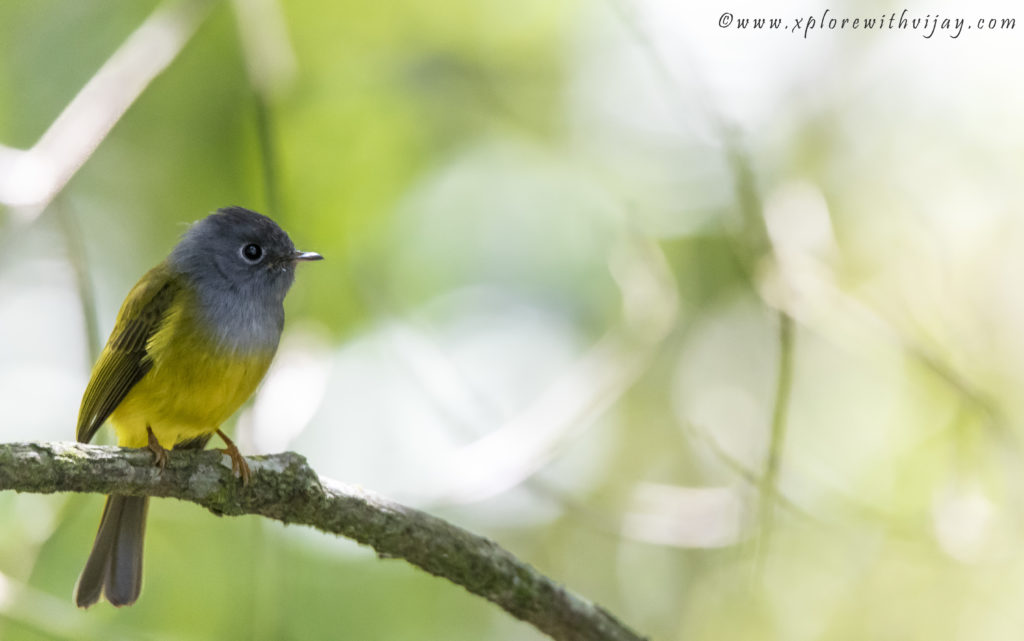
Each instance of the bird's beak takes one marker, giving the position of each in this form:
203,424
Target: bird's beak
304,256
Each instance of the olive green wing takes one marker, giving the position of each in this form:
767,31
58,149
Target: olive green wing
125,359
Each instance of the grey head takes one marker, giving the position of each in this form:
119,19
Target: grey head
241,265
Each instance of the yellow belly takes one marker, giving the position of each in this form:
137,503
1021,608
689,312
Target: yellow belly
189,392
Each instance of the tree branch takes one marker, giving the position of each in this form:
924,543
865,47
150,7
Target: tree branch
285,488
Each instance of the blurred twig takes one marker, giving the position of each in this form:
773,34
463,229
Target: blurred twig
80,264
285,488
769,479
750,243
270,63
30,179
268,154
743,471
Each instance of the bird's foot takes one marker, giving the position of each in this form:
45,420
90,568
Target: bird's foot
159,452
238,464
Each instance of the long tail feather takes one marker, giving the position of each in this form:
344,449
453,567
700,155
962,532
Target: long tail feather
114,568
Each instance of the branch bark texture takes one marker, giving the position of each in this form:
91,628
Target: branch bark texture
285,488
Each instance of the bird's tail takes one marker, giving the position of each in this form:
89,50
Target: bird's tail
114,568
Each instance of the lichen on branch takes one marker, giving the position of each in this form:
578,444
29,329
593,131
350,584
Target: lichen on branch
285,488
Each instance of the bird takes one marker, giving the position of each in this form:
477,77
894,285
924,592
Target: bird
191,342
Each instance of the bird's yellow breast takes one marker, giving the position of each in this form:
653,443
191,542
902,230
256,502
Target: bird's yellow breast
193,386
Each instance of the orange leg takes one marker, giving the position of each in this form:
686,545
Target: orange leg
159,452
238,464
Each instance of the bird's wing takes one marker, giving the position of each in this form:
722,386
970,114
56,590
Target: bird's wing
125,359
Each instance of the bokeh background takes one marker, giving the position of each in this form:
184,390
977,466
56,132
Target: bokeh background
720,327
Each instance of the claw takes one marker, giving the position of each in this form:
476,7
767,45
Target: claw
159,452
238,464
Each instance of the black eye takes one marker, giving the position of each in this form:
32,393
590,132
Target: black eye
252,253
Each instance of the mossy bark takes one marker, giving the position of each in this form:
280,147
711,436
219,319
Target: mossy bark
285,488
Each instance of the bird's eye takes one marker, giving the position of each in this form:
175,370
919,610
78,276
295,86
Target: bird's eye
252,253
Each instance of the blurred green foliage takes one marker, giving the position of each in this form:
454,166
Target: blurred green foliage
560,237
